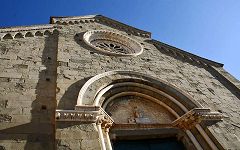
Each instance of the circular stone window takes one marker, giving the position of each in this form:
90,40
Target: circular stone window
112,43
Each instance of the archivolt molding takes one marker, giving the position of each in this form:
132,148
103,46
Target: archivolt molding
90,89
95,94
95,89
27,31
86,114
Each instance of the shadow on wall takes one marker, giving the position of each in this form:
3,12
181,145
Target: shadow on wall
39,133
69,99
230,86
68,102
43,107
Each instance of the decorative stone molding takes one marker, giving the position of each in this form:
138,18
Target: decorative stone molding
112,43
175,52
195,116
27,31
105,121
86,114
102,20
73,115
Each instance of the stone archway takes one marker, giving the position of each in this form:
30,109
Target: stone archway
182,113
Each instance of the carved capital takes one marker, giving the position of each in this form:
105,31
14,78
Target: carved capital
105,120
86,114
195,116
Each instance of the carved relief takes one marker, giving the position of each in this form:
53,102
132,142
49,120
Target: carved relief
195,116
131,109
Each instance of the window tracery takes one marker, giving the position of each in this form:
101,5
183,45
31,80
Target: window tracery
112,43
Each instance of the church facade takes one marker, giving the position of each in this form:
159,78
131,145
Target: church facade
91,82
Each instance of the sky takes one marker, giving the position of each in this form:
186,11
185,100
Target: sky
207,28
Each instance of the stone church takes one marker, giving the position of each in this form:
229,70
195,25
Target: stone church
91,83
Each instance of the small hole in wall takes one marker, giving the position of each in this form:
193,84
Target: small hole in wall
199,91
80,26
47,79
57,89
49,58
220,111
44,107
129,34
211,90
91,52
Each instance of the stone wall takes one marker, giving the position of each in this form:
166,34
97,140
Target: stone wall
78,62
39,74
27,92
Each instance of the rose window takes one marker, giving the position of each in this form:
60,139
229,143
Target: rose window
112,43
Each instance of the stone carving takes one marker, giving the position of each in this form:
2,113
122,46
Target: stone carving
28,31
138,117
72,115
5,118
86,114
138,110
195,116
111,46
101,20
112,43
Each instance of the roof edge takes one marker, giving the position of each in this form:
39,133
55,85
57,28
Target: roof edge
101,19
186,54
26,28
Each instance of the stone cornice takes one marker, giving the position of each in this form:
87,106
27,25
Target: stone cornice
74,115
196,116
27,31
101,19
26,28
86,114
176,52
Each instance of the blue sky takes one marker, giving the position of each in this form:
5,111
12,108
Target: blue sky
208,28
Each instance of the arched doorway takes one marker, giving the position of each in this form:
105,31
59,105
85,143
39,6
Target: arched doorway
146,108
140,123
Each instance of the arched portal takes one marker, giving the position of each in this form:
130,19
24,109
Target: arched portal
140,102
137,106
